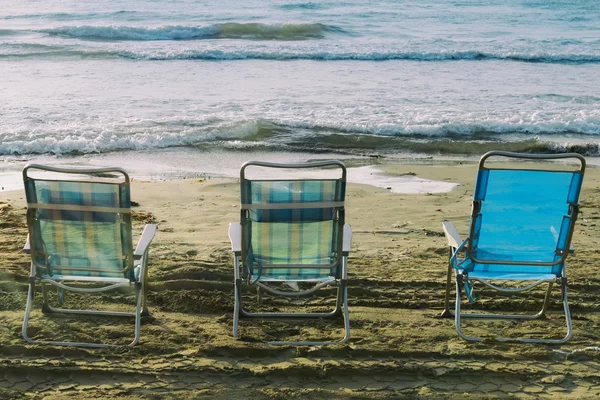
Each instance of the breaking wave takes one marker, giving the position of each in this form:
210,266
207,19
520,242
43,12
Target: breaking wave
230,30
25,50
269,135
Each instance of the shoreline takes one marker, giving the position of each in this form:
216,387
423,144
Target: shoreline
183,164
174,164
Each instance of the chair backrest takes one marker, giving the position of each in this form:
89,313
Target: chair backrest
79,221
523,218
293,227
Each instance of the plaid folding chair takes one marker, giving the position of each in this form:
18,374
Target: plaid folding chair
521,227
80,237
292,232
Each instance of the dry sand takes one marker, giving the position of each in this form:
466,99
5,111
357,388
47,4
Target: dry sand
399,348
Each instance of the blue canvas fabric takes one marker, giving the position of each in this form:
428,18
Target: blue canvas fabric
77,242
296,239
524,218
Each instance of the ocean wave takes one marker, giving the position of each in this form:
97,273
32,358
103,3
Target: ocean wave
229,30
302,6
270,135
145,135
291,54
10,32
40,51
342,145
76,16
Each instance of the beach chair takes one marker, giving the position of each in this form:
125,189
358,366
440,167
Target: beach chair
80,240
520,233
292,233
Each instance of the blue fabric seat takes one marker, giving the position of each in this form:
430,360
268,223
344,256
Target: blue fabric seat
521,226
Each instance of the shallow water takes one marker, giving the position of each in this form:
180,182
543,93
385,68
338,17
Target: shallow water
391,78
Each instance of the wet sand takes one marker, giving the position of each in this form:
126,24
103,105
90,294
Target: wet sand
399,347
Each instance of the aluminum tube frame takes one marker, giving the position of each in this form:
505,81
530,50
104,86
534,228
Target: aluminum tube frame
341,306
458,315
47,308
141,309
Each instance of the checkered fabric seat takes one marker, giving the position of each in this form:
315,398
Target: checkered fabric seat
80,240
287,243
80,228
292,231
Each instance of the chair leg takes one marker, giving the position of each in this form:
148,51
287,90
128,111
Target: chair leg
447,313
340,309
346,316
47,308
60,295
236,307
339,302
248,314
542,313
30,294
45,304
458,315
138,313
538,315
564,289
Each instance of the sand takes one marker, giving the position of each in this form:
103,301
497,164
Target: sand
399,347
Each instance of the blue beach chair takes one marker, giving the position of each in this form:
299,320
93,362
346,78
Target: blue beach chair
80,239
292,232
520,232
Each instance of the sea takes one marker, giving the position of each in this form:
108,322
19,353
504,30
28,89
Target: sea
198,86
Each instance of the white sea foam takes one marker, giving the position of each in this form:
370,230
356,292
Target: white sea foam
397,184
329,135
281,53
181,163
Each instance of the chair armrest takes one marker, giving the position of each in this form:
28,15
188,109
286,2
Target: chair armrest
27,248
235,236
347,238
145,240
452,235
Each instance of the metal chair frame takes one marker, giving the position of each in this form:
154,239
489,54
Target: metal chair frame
340,281
462,250
139,260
